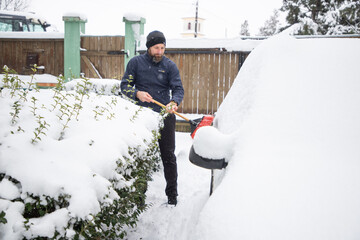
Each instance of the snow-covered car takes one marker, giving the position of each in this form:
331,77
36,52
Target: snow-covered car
289,131
14,21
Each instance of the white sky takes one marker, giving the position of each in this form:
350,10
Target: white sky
222,18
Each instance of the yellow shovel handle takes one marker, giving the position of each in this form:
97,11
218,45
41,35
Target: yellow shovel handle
162,105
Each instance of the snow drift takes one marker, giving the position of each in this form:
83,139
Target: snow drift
294,170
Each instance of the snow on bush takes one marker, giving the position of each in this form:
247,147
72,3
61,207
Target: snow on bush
73,163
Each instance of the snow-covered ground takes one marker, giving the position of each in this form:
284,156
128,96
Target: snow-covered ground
166,222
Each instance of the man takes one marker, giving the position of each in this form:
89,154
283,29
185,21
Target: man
152,76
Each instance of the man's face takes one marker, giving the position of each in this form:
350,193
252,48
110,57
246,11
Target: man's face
157,51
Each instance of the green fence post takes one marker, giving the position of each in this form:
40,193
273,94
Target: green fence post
134,28
73,26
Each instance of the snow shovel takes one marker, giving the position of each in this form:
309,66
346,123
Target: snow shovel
194,124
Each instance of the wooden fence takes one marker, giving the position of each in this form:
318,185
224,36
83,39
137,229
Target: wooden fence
102,57
207,74
22,54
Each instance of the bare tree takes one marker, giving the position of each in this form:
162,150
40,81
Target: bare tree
14,5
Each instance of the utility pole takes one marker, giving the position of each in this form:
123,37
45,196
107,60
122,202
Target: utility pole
196,18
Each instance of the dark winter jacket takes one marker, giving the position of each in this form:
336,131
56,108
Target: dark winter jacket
161,80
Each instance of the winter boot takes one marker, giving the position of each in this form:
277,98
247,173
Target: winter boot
172,200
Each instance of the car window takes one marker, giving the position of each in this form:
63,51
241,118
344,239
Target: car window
6,25
36,28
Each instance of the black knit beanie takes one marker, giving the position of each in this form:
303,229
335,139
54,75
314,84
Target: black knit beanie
155,37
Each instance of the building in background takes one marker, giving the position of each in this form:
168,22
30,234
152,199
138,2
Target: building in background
189,27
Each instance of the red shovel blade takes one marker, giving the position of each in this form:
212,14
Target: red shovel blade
205,121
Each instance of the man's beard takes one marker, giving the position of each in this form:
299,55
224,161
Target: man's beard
157,58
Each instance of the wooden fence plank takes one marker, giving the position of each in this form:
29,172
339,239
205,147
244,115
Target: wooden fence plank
85,44
227,75
103,61
204,101
222,78
196,83
234,67
187,83
217,80
201,88
212,84
58,58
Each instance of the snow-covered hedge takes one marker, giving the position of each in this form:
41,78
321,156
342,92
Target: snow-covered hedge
73,164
